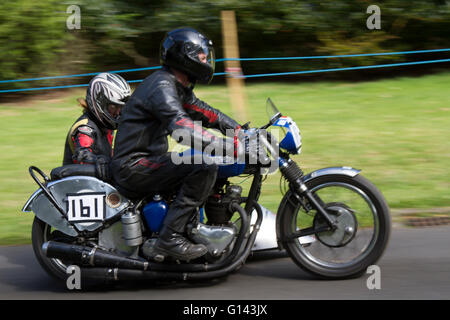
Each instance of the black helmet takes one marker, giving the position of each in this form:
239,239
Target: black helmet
103,90
180,49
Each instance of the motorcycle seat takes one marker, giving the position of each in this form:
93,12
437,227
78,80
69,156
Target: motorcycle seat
88,170
73,170
127,193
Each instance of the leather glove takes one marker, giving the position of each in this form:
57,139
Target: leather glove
102,168
84,156
247,145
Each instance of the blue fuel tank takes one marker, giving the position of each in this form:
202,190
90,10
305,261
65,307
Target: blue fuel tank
155,212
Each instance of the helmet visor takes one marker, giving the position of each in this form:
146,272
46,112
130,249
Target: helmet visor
208,57
202,51
211,58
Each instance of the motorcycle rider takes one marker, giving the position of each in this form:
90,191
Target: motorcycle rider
162,103
90,139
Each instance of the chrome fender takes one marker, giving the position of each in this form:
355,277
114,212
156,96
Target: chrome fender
47,212
347,171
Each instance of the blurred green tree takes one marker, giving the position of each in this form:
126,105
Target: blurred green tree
123,33
32,36
270,28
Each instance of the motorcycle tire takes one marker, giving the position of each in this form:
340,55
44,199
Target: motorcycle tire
40,233
289,208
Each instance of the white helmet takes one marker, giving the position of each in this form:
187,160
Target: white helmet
103,90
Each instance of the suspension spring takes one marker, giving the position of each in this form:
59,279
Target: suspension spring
292,172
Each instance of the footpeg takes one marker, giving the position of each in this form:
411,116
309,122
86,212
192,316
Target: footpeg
149,252
159,258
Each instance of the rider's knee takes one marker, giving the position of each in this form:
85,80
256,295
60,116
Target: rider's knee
209,169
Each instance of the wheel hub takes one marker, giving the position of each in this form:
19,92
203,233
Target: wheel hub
345,225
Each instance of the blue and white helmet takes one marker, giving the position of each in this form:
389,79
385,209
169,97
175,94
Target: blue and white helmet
103,90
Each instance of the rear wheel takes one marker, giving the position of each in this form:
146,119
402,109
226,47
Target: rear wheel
362,233
42,232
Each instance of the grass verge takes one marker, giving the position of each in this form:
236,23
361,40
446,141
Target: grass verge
397,131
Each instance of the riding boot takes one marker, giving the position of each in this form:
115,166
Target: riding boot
171,241
173,244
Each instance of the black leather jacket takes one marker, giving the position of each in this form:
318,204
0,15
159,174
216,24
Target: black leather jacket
159,106
86,141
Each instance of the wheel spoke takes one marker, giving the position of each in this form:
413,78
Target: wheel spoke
352,241
50,234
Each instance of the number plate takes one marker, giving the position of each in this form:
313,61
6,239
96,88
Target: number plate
86,207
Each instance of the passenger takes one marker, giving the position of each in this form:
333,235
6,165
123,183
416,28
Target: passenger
90,138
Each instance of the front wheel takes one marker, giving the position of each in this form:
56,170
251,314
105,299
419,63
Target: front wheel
361,236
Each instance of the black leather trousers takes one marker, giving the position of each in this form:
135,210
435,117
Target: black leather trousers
146,175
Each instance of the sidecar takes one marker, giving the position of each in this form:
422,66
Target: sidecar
75,202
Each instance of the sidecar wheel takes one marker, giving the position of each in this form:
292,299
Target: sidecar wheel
363,228
41,233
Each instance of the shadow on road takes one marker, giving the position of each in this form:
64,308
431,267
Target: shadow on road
137,285
21,272
266,264
267,255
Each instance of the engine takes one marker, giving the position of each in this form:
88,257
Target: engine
217,207
218,233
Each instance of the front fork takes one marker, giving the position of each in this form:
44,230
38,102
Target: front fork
292,172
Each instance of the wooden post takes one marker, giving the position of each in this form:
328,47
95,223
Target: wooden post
235,83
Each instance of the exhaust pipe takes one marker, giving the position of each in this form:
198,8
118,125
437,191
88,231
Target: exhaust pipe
90,256
109,275
110,267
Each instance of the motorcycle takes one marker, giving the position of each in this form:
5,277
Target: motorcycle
333,222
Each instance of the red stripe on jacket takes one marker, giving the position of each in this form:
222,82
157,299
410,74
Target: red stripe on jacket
185,122
212,117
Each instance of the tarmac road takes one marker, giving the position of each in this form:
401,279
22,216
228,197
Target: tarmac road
416,265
